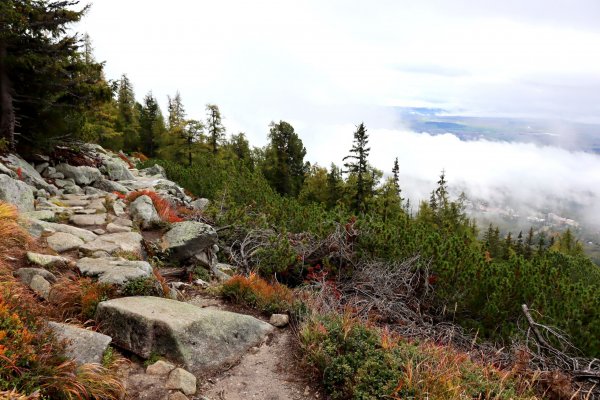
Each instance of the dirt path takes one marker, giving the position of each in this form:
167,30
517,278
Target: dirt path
268,373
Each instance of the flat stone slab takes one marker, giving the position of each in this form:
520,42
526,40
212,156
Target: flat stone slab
36,227
115,270
98,245
198,338
44,215
83,346
46,260
88,219
114,228
127,241
61,241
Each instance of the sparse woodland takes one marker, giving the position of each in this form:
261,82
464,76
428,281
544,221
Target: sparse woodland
387,297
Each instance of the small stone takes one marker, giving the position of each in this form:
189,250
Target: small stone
83,220
99,231
26,274
200,282
279,320
114,228
40,286
85,211
180,379
160,368
118,209
61,241
177,396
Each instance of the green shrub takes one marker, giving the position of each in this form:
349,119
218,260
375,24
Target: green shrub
143,287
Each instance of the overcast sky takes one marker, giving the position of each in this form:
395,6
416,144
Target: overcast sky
325,66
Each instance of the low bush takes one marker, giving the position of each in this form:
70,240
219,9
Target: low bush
256,292
79,297
357,361
143,287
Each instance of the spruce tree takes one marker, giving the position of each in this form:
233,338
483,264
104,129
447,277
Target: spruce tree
357,164
45,83
284,165
216,130
151,125
529,244
396,177
128,117
334,185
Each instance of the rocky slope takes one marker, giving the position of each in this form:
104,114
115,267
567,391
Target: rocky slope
77,209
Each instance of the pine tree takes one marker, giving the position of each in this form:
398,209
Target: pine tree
152,125
334,185
519,245
529,244
284,165
43,72
396,177
358,165
508,246
240,146
176,119
216,130
191,134
128,117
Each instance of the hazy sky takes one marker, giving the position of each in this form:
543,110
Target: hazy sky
325,66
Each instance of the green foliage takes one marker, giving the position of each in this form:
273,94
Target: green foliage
284,166
142,287
357,165
201,273
360,362
278,258
256,292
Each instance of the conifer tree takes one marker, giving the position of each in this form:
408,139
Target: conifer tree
152,125
240,146
44,80
334,185
357,164
396,177
191,134
519,245
529,244
216,130
284,165
128,116
176,119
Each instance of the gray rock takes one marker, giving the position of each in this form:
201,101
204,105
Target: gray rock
117,170
85,220
40,286
61,183
123,222
180,379
83,346
100,254
115,270
86,211
72,200
279,320
143,212
41,167
98,205
61,241
114,228
110,186
46,260
226,268
99,231
25,275
7,171
155,170
98,245
28,173
43,215
81,175
185,239
160,368
41,193
127,241
81,233
198,338
92,190
16,192
200,204
118,208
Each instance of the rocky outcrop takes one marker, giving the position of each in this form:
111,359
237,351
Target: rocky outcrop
83,346
28,173
16,192
188,238
81,175
114,270
117,170
198,338
155,170
143,212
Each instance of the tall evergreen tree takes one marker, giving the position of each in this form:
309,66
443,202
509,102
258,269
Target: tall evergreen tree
191,135
216,130
128,116
357,163
284,165
396,177
528,252
240,146
43,71
151,125
334,185
176,120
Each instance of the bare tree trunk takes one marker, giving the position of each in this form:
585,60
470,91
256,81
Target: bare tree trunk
7,110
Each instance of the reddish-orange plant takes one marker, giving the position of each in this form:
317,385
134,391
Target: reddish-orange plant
163,207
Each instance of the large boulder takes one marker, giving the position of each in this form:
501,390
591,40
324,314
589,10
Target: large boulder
28,173
117,170
16,192
83,346
115,270
198,338
143,212
110,186
123,241
82,175
188,238
155,170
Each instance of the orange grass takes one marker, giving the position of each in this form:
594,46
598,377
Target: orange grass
163,207
256,292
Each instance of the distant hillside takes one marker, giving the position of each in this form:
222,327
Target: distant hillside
565,134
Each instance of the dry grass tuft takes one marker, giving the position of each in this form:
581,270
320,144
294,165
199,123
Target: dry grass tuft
256,292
